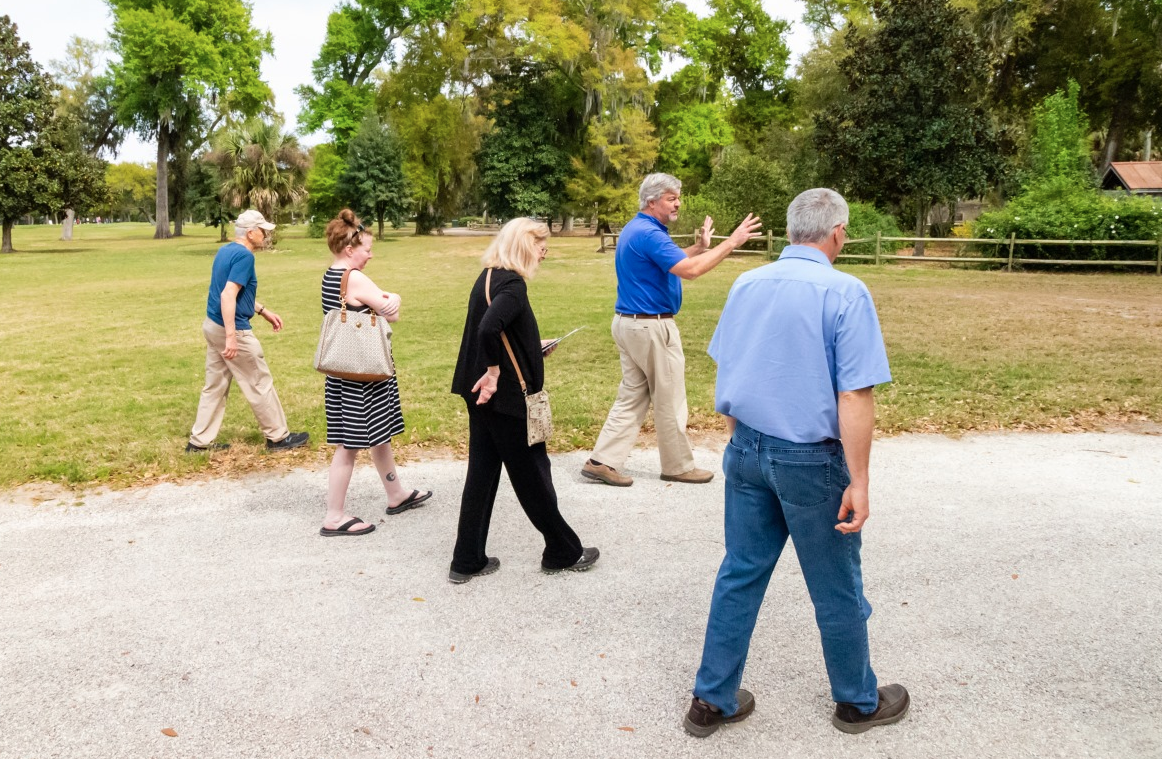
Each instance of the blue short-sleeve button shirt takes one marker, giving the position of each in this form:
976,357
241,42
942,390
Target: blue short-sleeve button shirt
792,336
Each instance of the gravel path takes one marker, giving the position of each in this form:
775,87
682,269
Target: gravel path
1014,577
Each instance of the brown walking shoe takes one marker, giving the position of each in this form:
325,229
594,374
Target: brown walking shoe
693,477
606,474
894,703
703,719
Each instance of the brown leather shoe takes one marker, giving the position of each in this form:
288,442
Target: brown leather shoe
703,719
606,474
693,477
894,703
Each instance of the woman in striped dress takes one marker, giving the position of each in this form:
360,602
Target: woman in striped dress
360,414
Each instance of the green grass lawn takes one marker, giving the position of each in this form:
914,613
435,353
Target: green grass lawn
101,353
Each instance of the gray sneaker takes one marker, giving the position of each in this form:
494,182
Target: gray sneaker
589,557
459,578
607,474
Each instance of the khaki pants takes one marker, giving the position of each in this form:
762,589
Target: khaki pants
250,371
653,370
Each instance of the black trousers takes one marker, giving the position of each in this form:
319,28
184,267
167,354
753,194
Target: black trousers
495,439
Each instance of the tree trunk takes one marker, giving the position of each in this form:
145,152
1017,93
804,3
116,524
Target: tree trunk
6,246
921,225
380,226
181,162
567,224
222,231
1117,127
67,227
161,231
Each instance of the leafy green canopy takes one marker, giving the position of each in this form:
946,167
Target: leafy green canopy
26,109
184,66
911,130
524,161
360,38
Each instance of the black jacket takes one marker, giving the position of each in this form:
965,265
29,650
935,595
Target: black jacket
481,346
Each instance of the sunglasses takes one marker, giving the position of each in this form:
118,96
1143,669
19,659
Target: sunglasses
355,233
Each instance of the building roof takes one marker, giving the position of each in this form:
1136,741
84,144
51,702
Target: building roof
1135,176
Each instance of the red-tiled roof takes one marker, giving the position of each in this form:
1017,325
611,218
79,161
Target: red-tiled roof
1138,175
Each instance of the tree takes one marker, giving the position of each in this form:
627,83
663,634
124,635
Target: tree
323,195
260,166
743,48
26,108
78,175
178,60
204,194
373,177
912,131
130,189
693,121
86,94
360,37
524,161
1057,148
1112,49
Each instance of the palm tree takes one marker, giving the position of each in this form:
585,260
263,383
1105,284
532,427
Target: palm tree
260,167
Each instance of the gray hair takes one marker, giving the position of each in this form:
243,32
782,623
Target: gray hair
813,214
654,186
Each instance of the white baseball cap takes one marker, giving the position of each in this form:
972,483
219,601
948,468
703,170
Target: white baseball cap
252,219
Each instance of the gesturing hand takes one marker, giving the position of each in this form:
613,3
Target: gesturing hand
706,233
747,230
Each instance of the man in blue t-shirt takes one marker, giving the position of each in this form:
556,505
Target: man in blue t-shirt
799,352
650,269
232,350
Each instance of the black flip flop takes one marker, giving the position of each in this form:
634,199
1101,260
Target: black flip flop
412,501
342,529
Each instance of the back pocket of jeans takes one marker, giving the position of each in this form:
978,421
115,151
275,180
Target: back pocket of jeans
802,483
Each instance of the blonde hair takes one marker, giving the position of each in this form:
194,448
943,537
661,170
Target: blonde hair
515,247
345,229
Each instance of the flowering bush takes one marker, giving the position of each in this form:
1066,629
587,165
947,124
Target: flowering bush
1057,211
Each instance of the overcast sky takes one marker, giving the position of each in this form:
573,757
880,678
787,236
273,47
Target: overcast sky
298,27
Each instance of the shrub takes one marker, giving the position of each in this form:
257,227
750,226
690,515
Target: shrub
864,220
1061,211
744,183
694,210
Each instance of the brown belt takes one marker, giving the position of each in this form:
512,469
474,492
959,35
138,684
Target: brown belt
645,316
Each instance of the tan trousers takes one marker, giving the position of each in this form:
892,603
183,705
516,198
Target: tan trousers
250,371
653,370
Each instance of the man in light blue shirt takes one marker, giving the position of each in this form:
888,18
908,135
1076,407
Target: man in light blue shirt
799,351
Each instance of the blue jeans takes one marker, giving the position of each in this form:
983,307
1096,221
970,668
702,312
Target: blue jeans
777,489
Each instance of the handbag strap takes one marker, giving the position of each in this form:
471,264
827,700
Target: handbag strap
343,299
504,338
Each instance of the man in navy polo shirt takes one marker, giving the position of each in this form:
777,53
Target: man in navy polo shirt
650,269
232,350
799,352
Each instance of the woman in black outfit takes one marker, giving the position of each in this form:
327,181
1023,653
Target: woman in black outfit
497,425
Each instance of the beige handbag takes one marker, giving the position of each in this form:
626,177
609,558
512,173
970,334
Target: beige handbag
537,411
355,345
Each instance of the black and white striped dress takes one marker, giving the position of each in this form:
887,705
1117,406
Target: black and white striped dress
359,414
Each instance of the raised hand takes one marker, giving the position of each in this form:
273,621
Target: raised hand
747,230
